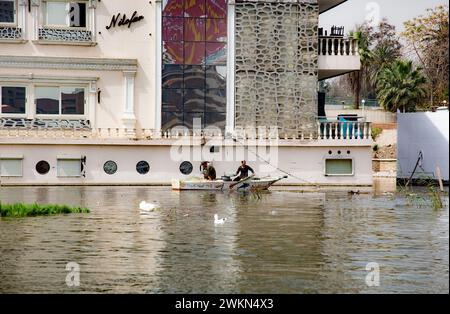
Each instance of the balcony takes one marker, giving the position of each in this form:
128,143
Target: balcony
325,5
337,55
329,132
342,129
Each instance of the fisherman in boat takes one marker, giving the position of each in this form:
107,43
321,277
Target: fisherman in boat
209,172
243,170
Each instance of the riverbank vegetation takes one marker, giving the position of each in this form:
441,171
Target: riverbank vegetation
25,210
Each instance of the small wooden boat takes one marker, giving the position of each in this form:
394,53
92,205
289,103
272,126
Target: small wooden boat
225,185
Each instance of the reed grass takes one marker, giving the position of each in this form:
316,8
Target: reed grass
25,210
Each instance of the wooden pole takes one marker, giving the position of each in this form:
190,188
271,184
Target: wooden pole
439,176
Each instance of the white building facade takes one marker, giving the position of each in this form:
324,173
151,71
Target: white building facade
119,92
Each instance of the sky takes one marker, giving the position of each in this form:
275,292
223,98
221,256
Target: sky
355,12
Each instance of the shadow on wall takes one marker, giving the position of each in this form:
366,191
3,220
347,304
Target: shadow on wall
426,132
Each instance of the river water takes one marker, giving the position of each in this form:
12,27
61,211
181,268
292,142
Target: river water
286,241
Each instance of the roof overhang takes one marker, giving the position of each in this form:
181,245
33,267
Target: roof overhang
325,5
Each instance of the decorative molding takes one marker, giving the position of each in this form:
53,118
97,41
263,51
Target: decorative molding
65,43
35,3
68,63
48,79
65,35
10,33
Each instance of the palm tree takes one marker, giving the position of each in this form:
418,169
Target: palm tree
400,86
380,58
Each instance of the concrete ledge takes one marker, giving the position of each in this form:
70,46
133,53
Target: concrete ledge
182,142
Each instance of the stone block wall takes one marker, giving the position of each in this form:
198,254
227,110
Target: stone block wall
276,64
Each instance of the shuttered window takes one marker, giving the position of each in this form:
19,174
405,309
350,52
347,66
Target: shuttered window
339,167
10,167
69,167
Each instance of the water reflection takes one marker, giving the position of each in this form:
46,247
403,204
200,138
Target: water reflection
283,242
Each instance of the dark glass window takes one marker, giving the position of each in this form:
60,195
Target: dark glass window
13,99
194,8
173,53
72,100
60,100
172,76
42,167
186,168
7,11
216,119
216,30
173,7
194,53
216,77
194,100
194,29
142,167
172,99
194,76
171,119
215,53
47,100
194,118
215,100
110,167
173,29
194,62
216,8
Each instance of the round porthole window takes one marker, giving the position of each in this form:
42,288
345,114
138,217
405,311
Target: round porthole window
110,167
142,167
186,167
42,167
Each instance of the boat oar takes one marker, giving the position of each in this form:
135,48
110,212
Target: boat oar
241,181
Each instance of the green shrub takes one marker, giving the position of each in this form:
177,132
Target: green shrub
24,210
376,133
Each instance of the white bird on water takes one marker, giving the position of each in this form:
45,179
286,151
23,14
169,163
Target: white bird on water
148,207
218,221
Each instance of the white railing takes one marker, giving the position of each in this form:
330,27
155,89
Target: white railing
337,46
344,130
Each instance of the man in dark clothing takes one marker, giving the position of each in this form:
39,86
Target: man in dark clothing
209,172
243,170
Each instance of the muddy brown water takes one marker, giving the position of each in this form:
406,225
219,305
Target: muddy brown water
287,241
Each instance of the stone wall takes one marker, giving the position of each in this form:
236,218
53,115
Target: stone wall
276,64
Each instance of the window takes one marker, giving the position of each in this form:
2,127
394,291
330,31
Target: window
42,167
60,100
194,62
339,167
11,166
65,14
13,100
67,22
142,167
7,12
69,167
186,168
110,167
